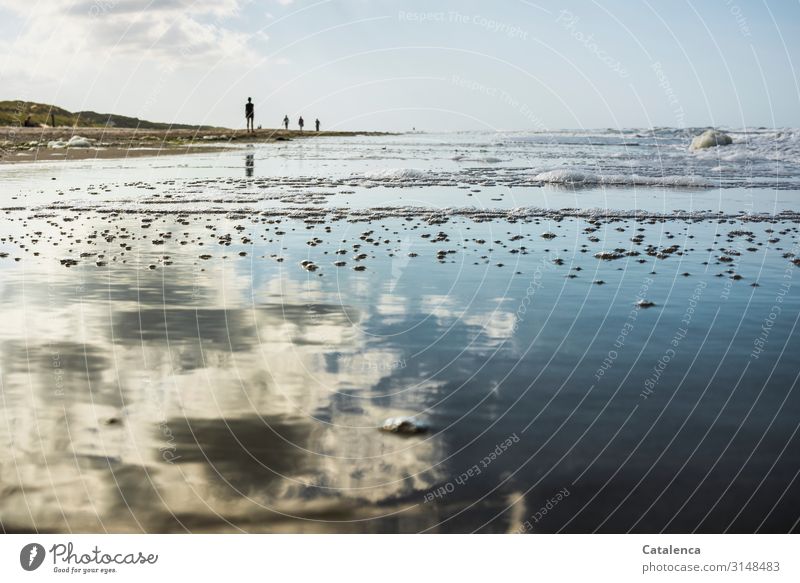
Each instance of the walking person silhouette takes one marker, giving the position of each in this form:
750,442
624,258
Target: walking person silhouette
301,123
249,113
316,123
286,121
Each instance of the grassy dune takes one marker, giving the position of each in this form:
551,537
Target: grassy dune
14,113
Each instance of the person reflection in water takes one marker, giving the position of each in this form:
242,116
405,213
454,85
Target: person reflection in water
249,164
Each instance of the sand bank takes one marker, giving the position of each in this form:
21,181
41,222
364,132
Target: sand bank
20,144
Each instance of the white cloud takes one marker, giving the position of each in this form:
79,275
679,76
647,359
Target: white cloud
55,35
93,8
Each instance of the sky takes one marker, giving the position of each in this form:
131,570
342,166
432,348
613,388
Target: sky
429,65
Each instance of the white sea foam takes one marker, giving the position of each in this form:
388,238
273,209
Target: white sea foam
483,159
431,215
757,147
579,177
396,174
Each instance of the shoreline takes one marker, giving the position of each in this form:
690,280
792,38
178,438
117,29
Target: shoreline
431,215
27,145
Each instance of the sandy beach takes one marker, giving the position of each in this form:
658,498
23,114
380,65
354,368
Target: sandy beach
21,144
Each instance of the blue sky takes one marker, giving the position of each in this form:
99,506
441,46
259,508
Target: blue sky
359,64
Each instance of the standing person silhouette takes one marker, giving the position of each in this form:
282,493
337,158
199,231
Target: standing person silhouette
316,123
249,113
301,123
286,121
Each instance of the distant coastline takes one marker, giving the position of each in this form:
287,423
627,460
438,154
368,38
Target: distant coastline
18,113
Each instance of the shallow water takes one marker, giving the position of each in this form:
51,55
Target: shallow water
148,389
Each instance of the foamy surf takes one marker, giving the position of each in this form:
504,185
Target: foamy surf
396,174
578,177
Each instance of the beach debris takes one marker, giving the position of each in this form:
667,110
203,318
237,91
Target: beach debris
405,425
609,255
663,253
645,303
710,139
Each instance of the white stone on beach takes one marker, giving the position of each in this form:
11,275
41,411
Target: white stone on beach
403,425
709,139
79,142
73,142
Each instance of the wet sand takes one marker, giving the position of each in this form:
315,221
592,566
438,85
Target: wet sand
215,372
213,344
